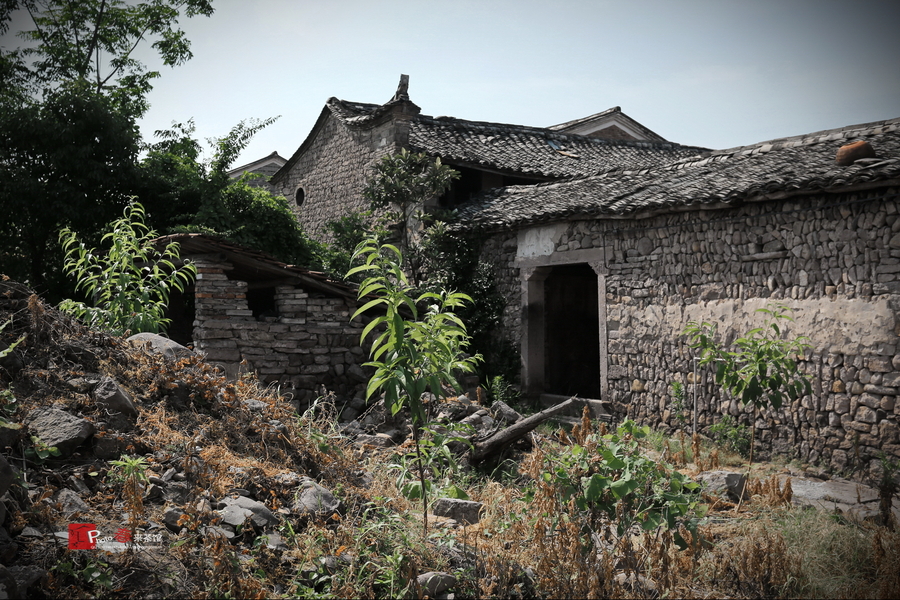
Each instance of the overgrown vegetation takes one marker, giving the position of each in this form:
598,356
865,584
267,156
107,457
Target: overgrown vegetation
762,369
538,537
410,355
129,287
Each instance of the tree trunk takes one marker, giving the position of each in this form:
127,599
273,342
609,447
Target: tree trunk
500,440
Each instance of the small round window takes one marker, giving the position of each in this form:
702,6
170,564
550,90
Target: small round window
299,196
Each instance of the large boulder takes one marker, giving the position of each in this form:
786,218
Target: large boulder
161,345
58,428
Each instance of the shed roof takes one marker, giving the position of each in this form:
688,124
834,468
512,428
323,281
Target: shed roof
768,170
257,267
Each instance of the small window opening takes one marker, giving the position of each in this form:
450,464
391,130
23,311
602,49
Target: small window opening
299,196
262,303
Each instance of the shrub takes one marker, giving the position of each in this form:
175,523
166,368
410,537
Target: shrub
130,286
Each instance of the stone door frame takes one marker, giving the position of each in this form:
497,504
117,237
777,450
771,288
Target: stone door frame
533,272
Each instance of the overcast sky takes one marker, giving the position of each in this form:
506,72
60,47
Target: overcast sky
709,73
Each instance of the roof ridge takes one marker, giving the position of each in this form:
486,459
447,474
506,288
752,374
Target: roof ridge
547,132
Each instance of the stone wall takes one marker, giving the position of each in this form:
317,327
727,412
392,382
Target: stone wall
311,344
835,260
333,171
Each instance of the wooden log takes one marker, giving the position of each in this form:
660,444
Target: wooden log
500,440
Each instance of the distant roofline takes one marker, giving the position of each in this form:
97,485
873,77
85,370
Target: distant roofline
259,162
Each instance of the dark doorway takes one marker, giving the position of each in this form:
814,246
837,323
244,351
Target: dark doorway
572,336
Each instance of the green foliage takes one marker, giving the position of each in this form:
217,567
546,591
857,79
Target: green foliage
678,405
731,435
65,161
184,193
608,478
69,102
130,286
410,356
40,451
500,391
94,41
347,233
438,460
402,184
762,370
130,468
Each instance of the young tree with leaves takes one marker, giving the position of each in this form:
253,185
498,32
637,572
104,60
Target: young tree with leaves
762,369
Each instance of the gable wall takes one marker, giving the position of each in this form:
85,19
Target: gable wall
333,172
834,259
310,344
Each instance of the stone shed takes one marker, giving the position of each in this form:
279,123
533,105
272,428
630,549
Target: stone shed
251,313
602,274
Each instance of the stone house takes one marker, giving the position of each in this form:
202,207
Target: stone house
601,275
247,312
607,240
325,177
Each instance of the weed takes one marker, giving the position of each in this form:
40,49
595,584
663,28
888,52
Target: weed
131,471
731,435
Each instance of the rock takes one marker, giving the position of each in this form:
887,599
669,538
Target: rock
171,518
640,586
355,373
379,440
158,344
9,434
254,405
212,530
58,428
8,548
723,482
26,576
7,475
176,492
70,502
83,385
274,541
78,485
109,446
238,510
435,582
313,499
112,397
464,511
502,412
8,586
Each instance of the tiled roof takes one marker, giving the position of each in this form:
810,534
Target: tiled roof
515,149
777,168
535,151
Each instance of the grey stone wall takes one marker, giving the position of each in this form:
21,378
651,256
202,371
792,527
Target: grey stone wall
333,172
834,259
310,344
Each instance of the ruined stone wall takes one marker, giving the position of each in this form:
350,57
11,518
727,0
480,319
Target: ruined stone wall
310,344
835,260
333,171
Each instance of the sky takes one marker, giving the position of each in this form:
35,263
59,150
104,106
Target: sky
716,74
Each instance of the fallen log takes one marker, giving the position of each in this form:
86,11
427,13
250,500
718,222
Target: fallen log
502,439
